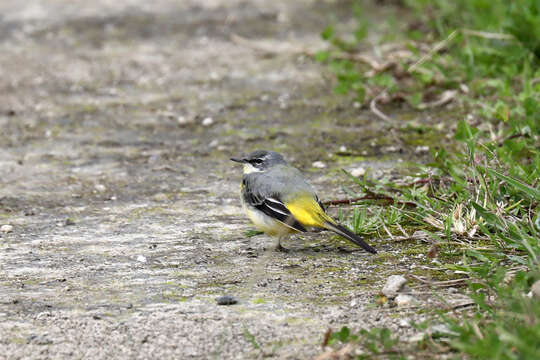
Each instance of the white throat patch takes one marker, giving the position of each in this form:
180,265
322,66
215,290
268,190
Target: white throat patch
248,169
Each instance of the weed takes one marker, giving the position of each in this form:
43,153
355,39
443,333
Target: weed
251,338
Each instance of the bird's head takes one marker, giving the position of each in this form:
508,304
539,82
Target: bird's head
260,161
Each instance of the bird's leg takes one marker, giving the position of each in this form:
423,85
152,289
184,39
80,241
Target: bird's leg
279,247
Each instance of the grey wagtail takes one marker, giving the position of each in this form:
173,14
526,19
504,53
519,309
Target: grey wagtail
279,200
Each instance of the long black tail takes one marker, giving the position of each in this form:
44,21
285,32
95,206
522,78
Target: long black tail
349,235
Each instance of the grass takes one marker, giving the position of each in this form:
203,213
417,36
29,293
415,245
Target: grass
480,193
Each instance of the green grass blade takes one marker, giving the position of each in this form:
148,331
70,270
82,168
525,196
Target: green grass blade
527,189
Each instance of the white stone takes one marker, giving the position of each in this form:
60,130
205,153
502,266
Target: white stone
393,285
43,315
404,323
319,165
403,300
141,259
207,121
357,172
6,228
182,120
100,187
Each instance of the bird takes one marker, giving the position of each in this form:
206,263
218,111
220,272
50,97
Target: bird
279,200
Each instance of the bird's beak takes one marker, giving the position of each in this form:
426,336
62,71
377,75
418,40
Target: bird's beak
239,160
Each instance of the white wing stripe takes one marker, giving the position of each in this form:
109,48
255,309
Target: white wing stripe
278,210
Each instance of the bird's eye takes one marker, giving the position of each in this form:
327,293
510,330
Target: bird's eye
256,161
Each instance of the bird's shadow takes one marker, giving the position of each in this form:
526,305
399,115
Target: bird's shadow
309,250
324,249
314,248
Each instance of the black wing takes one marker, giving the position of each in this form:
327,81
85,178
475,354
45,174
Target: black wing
271,206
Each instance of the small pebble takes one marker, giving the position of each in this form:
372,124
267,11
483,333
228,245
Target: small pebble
421,149
535,289
43,315
183,120
403,300
226,300
141,259
69,221
6,228
394,284
357,172
319,165
404,323
100,187
207,121
30,212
